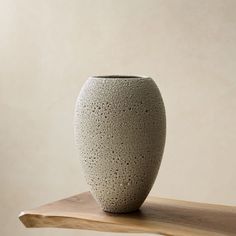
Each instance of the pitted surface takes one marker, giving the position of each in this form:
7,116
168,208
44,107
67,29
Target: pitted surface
120,131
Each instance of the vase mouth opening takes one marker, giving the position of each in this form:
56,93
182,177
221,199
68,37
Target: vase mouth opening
119,77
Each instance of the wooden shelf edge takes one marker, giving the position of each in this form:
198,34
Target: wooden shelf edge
157,215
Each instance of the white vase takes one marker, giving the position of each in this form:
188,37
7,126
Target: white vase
120,130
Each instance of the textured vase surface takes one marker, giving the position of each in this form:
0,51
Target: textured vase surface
120,130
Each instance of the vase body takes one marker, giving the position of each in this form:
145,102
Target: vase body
120,130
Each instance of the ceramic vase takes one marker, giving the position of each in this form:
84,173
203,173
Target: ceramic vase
120,129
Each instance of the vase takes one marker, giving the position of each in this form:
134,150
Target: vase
120,130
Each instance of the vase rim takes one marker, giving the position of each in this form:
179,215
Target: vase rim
119,77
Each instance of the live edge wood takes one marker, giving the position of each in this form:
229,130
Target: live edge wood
157,215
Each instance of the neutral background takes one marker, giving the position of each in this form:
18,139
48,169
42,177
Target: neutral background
47,50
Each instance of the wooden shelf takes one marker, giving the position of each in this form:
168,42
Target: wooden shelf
157,215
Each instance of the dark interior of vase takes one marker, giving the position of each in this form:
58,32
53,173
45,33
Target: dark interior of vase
119,76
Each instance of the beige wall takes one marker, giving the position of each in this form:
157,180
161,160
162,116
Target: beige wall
47,50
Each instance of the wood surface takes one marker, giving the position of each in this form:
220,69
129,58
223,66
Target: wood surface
157,215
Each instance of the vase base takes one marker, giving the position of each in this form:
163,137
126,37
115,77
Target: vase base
121,211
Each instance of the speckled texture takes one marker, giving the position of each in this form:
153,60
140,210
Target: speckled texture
120,130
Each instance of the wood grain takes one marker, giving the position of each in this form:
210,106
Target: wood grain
157,215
